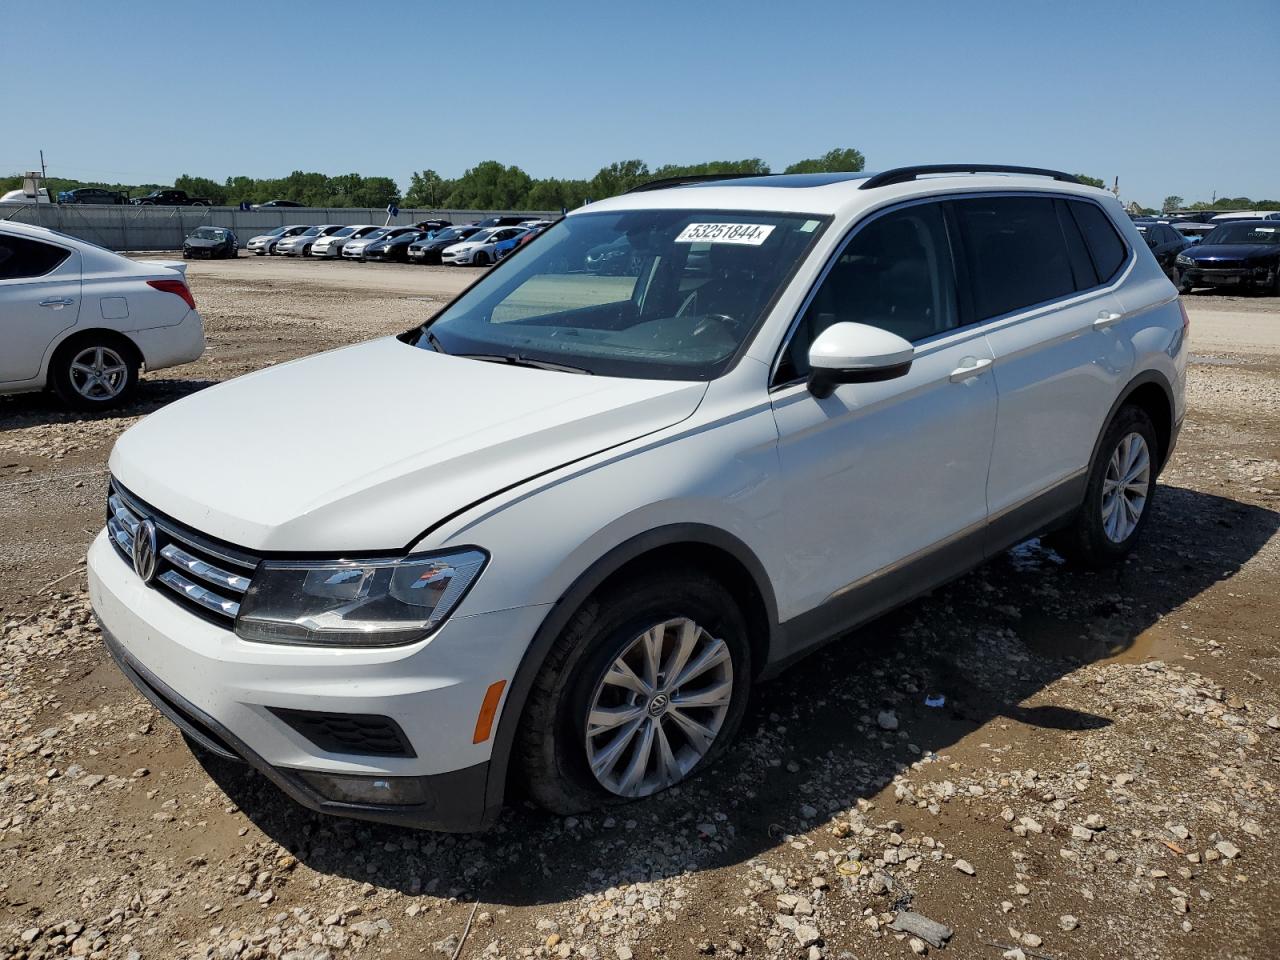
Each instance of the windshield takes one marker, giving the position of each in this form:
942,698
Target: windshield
344,232
375,235
482,236
277,232
309,232
660,294
209,233
1244,233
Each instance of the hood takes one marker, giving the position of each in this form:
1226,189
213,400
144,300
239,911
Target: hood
1232,252
365,447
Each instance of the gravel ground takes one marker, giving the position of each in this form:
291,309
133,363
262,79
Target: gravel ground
1098,784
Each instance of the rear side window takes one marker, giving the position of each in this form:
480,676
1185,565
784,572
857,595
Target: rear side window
21,258
1105,246
1016,252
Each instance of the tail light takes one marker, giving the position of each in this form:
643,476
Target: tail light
1186,320
180,289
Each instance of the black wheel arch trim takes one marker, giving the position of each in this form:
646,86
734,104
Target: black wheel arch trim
567,605
1142,380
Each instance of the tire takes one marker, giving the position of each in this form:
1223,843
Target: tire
86,379
1090,539
552,743
1185,287
306,251
480,260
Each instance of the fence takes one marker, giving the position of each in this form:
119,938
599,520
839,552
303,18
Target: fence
127,227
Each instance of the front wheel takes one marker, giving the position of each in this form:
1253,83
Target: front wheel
645,688
1117,502
480,260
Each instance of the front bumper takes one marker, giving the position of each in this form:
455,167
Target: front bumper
228,690
1227,277
454,801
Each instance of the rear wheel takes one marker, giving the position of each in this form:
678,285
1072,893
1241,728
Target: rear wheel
94,373
1117,501
645,688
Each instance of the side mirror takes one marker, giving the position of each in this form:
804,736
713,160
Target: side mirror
856,353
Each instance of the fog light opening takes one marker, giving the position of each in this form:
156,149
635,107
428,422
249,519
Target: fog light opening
367,790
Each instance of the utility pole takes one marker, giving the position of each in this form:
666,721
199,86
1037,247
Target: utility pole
44,174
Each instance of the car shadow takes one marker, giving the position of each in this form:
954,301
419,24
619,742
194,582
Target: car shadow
812,744
25,410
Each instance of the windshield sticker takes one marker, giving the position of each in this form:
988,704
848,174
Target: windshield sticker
809,226
750,234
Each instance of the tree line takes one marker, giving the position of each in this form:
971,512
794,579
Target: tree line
490,185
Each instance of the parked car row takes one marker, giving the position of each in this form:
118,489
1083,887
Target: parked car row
426,242
1231,251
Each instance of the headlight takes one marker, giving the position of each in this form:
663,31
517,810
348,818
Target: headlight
355,602
1185,260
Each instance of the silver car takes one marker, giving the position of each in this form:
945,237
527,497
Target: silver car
300,244
355,249
265,243
331,246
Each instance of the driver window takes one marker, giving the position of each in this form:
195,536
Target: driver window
895,273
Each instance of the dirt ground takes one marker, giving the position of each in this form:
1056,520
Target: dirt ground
1099,784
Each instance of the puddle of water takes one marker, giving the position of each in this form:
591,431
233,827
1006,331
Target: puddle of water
1094,642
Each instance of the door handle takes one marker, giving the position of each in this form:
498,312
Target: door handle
56,302
1105,319
969,370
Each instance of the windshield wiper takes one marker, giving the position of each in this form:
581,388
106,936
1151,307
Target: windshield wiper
436,345
515,360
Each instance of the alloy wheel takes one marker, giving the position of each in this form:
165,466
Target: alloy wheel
99,373
659,708
1125,487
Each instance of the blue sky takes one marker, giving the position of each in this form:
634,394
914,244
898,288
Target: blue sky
1173,97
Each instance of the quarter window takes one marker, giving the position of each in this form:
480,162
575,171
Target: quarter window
894,273
1104,243
1016,252
21,258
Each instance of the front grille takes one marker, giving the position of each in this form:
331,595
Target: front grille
356,733
207,578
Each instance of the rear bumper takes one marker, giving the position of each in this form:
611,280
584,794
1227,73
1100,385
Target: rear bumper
169,346
454,802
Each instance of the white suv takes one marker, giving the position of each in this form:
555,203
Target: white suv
558,531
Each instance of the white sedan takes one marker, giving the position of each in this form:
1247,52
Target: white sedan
84,321
484,248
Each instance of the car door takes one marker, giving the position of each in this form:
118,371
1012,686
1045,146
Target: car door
884,483
39,298
1046,301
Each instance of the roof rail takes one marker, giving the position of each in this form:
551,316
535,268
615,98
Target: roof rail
906,174
690,178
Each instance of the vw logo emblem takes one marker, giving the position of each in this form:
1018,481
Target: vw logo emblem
144,551
658,705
